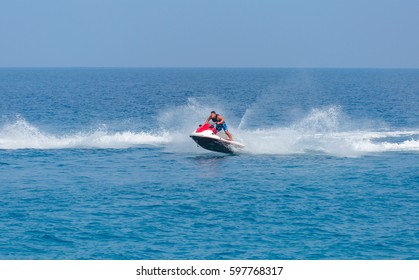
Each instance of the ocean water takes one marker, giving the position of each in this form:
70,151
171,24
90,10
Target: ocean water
98,164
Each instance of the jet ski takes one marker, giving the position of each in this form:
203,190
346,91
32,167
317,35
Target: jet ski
206,137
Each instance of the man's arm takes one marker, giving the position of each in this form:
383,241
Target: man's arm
207,121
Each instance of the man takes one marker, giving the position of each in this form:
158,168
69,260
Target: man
220,123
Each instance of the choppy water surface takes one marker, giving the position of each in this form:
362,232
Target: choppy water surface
97,164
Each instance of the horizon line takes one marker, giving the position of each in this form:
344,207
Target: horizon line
202,67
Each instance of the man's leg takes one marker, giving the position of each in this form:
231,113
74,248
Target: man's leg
229,135
224,126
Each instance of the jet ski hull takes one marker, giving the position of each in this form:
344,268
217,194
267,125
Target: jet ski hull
217,144
212,144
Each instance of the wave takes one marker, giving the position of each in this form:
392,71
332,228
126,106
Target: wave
287,141
329,131
23,135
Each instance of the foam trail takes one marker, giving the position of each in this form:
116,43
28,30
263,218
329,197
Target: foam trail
23,135
389,141
327,130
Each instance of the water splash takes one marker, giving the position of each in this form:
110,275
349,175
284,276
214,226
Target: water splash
327,130
323,130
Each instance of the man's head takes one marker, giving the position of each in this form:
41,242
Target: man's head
213,114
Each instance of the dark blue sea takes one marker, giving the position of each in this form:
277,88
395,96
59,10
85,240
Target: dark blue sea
97,163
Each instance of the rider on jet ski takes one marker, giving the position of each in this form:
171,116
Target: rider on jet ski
220,123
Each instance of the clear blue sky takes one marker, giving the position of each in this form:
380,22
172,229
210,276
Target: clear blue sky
209,33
